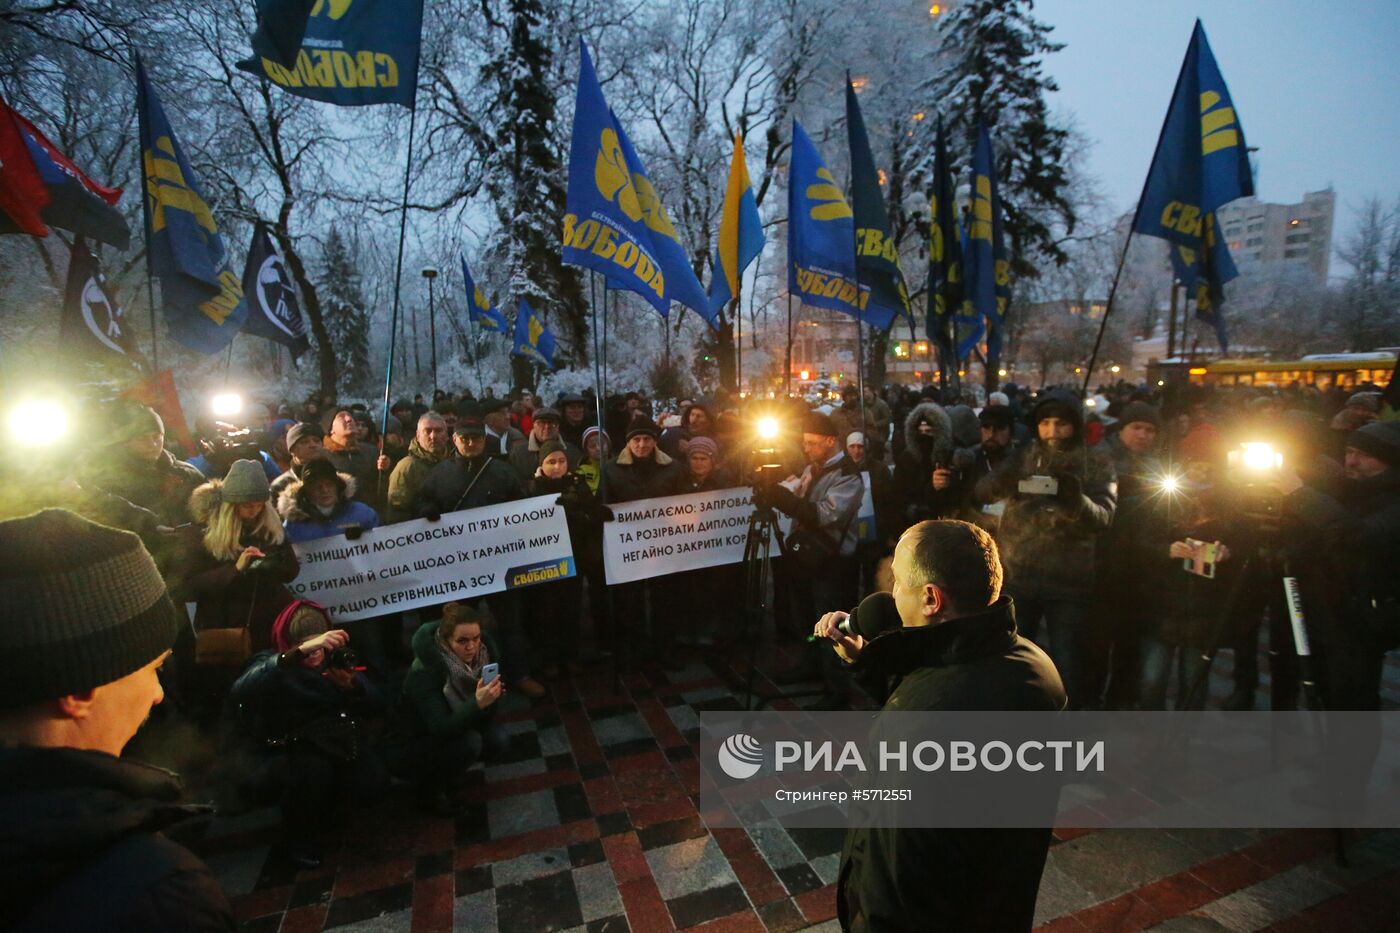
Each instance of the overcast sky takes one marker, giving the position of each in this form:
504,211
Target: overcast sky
1316,86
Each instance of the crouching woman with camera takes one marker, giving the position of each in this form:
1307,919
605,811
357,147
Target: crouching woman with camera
446,718
304,707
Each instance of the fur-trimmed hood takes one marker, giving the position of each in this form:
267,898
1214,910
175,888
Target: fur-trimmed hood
293,507
936,446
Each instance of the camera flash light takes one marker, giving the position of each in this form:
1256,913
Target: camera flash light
38,423
226,404
767,428
1260,457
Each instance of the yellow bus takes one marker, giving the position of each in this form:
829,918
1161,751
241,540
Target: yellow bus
1323,370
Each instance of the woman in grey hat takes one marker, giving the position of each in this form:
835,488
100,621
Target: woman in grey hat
237,573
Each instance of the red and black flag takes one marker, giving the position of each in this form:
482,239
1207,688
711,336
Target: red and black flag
69,200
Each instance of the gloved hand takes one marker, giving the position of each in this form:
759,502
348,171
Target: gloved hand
782,499
608,514
432,515
1071,492
353,532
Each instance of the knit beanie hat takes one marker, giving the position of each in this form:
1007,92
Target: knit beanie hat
703,445
551,447
643,426
300,620
246,482
137,421
1370,401
1380,439
818,423
81,605
299,432
855,437
1140,411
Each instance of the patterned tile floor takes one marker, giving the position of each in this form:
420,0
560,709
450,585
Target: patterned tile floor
590,824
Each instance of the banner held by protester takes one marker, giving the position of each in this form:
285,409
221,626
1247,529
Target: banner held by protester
463,555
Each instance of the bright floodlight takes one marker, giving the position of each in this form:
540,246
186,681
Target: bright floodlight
767,428
1260,457
37,423
226,404
1170,484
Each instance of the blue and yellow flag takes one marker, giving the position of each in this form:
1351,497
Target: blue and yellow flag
352,52
1201,163
532,339
821,238
945,285
614,222
987,272
740,233
877,253
482,313
202,296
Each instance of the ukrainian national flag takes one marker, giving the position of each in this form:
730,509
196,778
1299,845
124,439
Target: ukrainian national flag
532,338
202,296
1201,163
740,234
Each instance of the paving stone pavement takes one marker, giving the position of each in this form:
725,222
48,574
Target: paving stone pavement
590,824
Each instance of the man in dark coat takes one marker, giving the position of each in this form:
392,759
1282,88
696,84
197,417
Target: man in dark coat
524,455
344,449
957,650
641,470
1060,496
472,479
135,465
925,479
84,629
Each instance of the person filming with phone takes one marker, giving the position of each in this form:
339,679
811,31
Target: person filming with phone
446,718
1060,496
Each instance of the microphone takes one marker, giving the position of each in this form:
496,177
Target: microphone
875,615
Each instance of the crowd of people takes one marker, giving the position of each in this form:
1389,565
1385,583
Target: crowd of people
1134,541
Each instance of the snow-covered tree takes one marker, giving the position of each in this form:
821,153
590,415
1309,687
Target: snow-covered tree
345,312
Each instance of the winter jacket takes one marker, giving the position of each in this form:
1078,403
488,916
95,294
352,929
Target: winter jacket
422,709
1048,542
915,498
277,701
719,478
1131,549
303,522
162,487
226,597
283,480
81,848
524,457
408,477
628,479
501,450
830,504
460,483
359,461
894,879
582,510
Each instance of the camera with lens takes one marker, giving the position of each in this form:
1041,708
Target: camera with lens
1252,469
343,658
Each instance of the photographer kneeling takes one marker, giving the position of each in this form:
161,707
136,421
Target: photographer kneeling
446,718
955,648
303,705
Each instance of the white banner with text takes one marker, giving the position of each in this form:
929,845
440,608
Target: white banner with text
654,537
417,563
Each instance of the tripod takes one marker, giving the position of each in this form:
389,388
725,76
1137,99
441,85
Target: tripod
758,574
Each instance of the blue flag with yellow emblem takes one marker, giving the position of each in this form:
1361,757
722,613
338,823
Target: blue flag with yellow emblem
532,339
740,233
350,52
201,295
945,286
614,222
877,253
821,238
481,312
1201,163
986,270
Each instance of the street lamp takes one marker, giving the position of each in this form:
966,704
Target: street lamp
430,273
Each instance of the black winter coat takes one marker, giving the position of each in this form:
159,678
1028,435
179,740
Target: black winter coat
460,483
895,879
277,701
582,511
81,848
627,479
